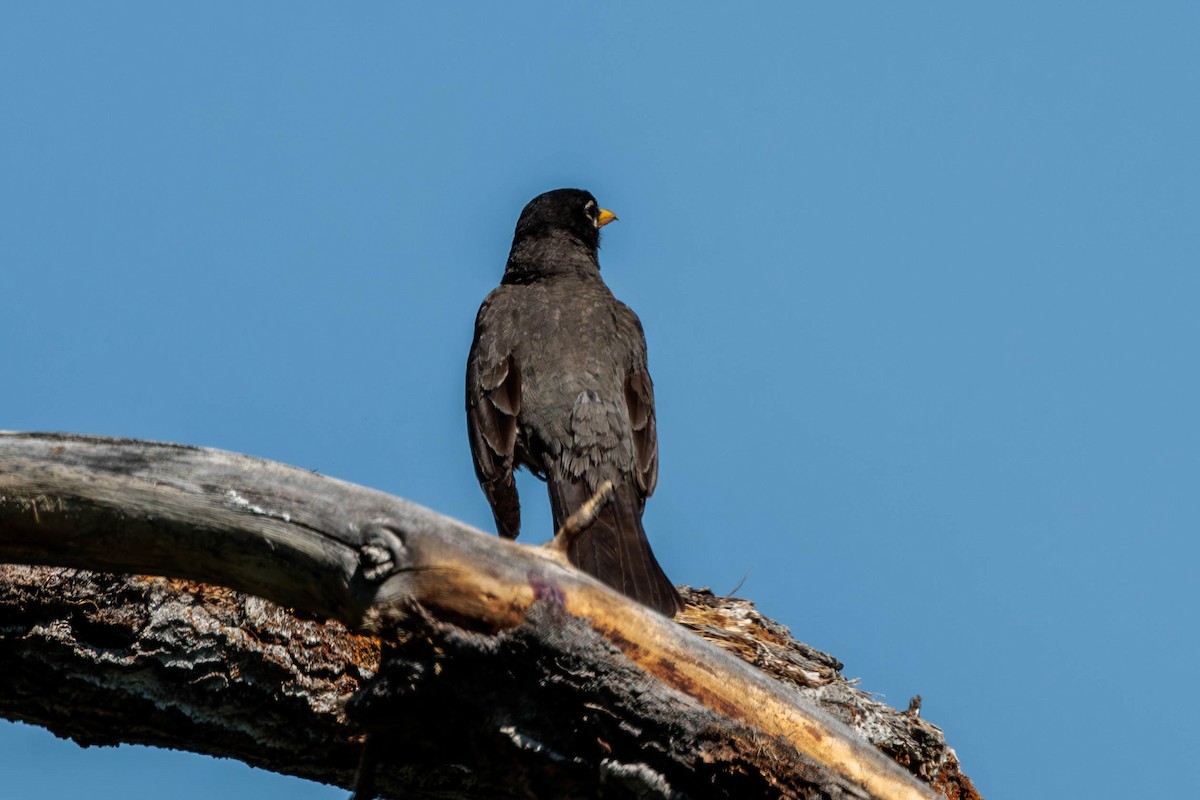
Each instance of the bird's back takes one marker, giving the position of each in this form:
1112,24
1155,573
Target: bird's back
574,349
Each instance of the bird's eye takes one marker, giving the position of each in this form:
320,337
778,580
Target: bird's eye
590,209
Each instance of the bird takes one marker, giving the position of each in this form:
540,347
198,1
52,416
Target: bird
557,383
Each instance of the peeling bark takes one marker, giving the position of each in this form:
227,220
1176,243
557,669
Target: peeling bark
496,671
104,659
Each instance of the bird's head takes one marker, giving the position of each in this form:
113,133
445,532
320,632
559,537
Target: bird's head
571,211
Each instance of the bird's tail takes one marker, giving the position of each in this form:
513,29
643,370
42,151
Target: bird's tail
614,547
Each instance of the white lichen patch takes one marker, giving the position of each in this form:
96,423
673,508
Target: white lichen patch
244,504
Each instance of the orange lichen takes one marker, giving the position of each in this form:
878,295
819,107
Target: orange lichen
952,784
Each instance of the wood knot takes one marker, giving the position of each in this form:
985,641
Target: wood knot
380,553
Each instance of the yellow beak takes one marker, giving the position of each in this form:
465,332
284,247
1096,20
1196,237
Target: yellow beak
605,217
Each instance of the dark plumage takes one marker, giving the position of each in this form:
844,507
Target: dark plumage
557,383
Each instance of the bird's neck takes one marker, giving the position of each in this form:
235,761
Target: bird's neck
547,257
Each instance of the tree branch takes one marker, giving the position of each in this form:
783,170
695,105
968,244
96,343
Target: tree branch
549,670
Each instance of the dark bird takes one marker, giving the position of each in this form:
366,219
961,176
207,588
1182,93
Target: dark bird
557,383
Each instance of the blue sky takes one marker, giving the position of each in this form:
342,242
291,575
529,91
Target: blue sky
920,288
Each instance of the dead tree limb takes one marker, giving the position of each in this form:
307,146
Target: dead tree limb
476,628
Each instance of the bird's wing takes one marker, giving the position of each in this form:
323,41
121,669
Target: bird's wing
493,405
639,400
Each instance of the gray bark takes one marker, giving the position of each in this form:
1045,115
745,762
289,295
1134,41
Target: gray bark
503,671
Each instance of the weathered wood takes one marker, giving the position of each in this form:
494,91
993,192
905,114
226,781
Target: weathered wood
105,659
108,659
366,558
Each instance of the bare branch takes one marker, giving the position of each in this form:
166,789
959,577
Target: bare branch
371,560
580,521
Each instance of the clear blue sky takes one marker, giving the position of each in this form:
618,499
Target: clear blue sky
920,286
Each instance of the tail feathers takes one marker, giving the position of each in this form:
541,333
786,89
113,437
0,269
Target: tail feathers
614,548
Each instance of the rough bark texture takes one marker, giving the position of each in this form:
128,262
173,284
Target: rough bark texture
499,670
104,659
